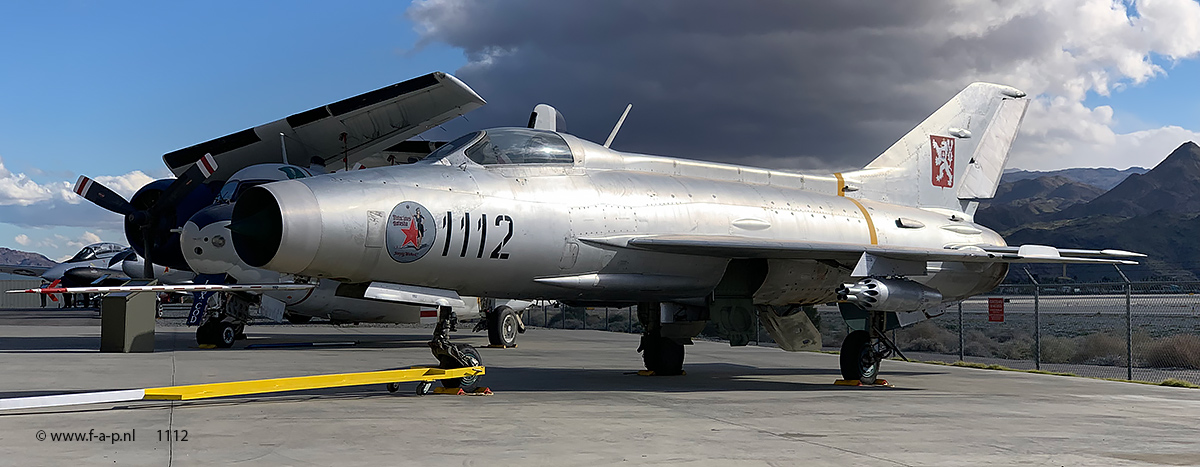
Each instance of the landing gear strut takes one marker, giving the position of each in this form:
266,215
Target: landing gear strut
862,351
450,355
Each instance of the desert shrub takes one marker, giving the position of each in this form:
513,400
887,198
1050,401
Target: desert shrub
1018,348
976,349
927,337
1058,349
1178,351
978,344
1100,349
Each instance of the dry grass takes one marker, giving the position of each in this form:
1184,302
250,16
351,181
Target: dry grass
1178,351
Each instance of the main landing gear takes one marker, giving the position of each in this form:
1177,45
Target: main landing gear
662,356
503,324
450,355
862,351
226,325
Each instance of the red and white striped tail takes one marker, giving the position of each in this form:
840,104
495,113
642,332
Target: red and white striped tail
207,165
83,185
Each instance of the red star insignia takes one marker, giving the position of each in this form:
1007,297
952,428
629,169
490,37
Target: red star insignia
410,235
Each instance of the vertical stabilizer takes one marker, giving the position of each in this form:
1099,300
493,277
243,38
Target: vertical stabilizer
952,158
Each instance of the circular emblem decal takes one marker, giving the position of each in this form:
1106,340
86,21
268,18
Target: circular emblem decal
410,232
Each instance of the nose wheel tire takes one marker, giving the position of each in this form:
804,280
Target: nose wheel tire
503,327
859,360
468,357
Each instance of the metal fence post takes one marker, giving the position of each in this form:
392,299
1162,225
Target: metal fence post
630,320
606,318
1037,322
1128,324
962,356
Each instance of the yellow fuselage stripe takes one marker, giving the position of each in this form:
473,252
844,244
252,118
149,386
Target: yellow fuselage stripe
238,388
841,191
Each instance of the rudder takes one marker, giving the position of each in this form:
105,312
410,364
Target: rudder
952,158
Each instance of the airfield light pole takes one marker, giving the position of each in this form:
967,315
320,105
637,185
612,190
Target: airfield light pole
1128,324
1037,322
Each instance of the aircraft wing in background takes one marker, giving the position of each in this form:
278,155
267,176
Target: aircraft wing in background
351,129
35,271
171,288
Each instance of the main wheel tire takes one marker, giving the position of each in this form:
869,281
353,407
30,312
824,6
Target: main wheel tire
205,335
297,319
470,358
857,360
502,326
225,334
662,355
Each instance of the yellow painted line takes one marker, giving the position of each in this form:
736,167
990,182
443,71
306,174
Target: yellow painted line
238,388
841,184
870,223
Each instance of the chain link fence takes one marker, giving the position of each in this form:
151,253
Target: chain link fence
1137,331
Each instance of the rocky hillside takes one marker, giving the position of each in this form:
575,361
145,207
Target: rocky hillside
23,258
1029,200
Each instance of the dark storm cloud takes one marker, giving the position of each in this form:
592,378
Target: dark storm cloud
782,84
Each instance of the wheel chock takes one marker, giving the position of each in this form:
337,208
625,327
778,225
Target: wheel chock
652,373
855,382
501,346
461,392
206,346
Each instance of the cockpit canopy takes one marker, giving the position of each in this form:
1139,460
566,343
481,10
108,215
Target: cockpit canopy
90,252
509,146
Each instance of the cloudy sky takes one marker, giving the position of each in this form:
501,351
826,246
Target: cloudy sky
106,89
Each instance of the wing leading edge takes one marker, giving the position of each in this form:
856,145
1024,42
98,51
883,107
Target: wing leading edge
743,247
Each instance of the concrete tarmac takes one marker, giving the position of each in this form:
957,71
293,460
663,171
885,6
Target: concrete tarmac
566,398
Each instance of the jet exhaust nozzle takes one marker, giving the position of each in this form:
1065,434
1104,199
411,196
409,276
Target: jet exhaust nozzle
270,224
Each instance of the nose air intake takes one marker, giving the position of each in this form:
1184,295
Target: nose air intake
257,227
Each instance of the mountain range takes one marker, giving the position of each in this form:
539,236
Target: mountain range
23,258
1103,177
1156,212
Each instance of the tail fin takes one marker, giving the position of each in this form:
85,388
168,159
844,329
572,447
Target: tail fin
952,158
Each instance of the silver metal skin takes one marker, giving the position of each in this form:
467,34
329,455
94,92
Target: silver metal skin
609,226
605,194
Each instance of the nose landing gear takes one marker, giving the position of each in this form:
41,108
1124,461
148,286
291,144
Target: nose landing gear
450,355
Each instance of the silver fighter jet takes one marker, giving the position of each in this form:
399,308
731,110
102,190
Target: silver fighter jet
535,212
